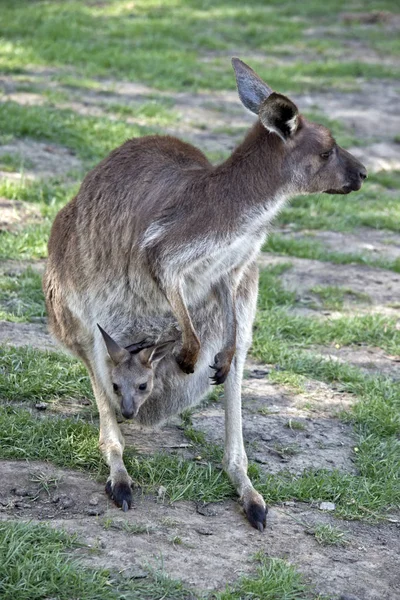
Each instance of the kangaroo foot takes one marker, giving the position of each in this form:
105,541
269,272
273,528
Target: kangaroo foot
221,366
121,493
187,358
255,509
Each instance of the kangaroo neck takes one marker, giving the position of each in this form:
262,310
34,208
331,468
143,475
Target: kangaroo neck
254,172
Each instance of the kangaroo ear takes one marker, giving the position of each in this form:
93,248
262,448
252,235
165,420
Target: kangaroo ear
152,355
115,352
252,89
280,115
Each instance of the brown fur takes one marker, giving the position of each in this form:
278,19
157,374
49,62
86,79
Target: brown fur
157,233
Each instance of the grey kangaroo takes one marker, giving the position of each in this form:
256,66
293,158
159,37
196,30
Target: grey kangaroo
158,238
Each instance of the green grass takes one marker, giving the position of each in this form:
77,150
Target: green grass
160,44
333,297
21,296
275,580
13,162
38,562
328,535
375,206
91,138
29,374
312,249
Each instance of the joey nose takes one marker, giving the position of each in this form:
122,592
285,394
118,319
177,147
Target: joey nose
127,413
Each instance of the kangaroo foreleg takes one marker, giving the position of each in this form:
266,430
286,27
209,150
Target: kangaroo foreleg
189,353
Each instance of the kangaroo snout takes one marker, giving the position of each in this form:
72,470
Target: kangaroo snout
129,408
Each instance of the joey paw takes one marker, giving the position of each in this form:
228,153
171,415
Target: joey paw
187,361
221,366
120,493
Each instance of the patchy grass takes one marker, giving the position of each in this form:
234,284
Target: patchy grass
328,535
159,44
29,374
21,296
334,297
310,248
373,206
91,138
14,162
27,244
275,579
38,562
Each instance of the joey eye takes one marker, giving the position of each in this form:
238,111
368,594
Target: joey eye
142,386
326,155
115,388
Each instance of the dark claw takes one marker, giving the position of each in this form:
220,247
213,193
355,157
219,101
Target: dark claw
213,367
219,376
121,493
257,516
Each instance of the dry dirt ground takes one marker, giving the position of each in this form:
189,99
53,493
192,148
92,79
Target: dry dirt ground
186,539
368,566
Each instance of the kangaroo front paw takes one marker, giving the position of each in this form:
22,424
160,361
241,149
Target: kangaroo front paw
187,359
255,509
221,366
121,493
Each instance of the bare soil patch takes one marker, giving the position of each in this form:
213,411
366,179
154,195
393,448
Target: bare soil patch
189,541
381,286
371,243
40,159
215,120
369,360
27,334
15,213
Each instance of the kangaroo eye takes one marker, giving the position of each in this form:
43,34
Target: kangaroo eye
142,386
116,388
326,155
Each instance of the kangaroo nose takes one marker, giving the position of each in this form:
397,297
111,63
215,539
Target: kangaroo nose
127,414
363,174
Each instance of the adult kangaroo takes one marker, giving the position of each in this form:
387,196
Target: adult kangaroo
157,232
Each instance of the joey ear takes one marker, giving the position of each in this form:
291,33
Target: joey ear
115,351
280,115
135,348
252,89
152,355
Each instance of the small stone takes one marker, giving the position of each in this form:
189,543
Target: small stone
258,373
41,405
203,531
66,501
94,501
134,574
289,503
23,492
206,510
56,498
327,506
161,491
95,511
20,504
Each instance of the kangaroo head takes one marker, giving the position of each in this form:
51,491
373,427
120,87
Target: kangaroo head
132,372
307,156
